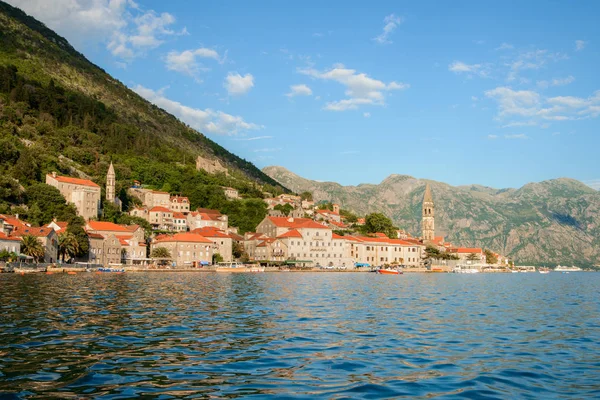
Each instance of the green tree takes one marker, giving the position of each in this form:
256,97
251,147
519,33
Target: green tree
285,209
27,169
49,200
473,257
306,195
490,257
237,249
6,255
217,258
160,252
32,246
377,222
68,245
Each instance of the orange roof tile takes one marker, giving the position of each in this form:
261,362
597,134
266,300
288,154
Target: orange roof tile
4,237
182,237
465,250
95,235
178,215
108,226
179,199
27,230
336,236
159,209
296,223
292,233
74,181
12,220
210,231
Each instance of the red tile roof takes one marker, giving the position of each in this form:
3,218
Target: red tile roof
4,237
95,235
73,181
210,231
27,230
296,223
109,226
208,211
182,237
178,215
338,224
293,233
159,209
265,242
179,199
12,220
336,236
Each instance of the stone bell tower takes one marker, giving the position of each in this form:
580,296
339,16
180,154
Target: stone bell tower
427,224
110,184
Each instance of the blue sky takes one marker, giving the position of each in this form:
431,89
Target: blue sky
498,94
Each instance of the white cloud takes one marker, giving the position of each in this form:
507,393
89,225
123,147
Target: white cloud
299,90
360,88
459,67
391,23
531,60
512,102
532,106
505,46
205,121
492,137
237,84
556,82
367,115
125,29
519,136
580,45
186,61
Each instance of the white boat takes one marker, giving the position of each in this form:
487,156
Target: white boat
573,268
238,267
544,270
465,269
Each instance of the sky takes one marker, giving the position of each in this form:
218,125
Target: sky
493,93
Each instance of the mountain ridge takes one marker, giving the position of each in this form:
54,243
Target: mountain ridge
552,221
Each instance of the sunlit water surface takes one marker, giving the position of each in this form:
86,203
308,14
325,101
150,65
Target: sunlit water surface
300,335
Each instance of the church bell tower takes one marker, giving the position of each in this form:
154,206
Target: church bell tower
427,224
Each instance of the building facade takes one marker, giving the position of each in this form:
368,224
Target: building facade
83,193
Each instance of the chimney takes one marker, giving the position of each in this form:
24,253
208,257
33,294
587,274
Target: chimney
54,174
291,219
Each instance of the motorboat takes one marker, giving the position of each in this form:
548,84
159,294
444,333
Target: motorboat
465,269
544,270
389,271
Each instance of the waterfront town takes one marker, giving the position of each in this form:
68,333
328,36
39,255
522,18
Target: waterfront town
296,232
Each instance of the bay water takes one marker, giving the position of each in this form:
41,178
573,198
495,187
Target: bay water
300,335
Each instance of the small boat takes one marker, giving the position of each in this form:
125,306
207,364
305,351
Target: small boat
544,270
388,271
117,270
465,269
238,267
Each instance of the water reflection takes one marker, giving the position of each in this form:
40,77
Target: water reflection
303,335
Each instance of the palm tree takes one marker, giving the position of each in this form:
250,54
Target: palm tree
32,246
473,257
67,245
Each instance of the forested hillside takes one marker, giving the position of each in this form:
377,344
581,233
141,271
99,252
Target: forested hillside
59,112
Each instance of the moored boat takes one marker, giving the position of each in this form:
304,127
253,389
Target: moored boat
117,270
388,271
544,270
238,267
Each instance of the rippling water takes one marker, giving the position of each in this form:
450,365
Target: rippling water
300,335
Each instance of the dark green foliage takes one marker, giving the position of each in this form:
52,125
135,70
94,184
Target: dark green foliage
45,203
306,196
377,222
245,214
285,209
490,257
434,253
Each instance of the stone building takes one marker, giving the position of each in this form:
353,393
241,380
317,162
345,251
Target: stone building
427,224
188,250
47,236
210,166
83,193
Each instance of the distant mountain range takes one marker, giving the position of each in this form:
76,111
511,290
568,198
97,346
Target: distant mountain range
546,223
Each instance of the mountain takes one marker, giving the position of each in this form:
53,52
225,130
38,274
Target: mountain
58,111
550,222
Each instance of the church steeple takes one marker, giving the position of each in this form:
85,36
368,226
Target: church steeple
427,224
110,184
